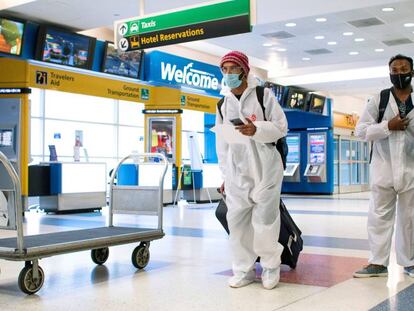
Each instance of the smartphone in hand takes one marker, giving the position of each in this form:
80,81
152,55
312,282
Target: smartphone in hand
237,122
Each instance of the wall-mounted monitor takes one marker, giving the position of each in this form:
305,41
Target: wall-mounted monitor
64,47
11,36
296,99
278,91
316,103
127,64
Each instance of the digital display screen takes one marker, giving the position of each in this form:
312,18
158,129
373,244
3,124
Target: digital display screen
11,36
120,63
66,48
278,91
317,143
296,100
293,142
6,138
317,103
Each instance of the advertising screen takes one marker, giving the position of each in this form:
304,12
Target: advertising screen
161,138
11,36
293,142
296,100
6,138
317,143
278,91
65,48
317,103
127,64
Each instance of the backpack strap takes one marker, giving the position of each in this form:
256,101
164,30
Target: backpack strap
384,99
219,104
260,96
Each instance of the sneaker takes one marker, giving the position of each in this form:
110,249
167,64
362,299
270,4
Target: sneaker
270,278
241,279
371,270
409,271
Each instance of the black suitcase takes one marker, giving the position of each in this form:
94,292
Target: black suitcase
289,237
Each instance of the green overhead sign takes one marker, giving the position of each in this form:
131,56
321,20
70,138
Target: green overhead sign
214,20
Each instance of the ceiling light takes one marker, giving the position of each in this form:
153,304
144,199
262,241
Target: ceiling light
305,58
290,24
321,19
281,50
349,33
319,37
353,53
332,43
388,9
267,44
409,25
379,50
359,39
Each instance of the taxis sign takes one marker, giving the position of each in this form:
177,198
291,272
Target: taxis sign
196,23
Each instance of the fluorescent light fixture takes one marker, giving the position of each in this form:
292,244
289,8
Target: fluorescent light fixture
359,39
409,25
332,43
389,9
348,33
321,20
319,37
353,53
281,49
306,58
290,24
332,76
267,44
379,50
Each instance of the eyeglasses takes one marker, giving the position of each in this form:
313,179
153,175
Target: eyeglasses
231,69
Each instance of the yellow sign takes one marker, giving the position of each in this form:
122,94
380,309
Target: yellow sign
347,121
67,81
199,102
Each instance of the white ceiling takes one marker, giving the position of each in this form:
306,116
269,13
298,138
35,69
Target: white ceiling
272,16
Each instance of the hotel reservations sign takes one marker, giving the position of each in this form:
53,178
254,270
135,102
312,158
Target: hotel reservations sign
192,24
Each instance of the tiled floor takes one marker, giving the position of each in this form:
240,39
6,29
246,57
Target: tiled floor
189,267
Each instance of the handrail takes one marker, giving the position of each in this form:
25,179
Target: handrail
17,199
161,182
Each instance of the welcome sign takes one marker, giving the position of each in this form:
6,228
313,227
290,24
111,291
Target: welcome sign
169,69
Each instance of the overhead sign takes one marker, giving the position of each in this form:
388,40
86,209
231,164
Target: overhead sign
174,70
196,23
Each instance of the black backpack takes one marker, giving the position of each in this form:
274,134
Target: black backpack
384,99
281,144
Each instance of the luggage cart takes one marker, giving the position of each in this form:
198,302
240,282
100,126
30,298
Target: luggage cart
123,199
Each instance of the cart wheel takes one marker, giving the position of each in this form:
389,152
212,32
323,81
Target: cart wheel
141,256
27,283
100,255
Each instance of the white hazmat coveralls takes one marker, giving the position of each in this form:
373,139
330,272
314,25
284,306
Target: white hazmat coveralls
392,183
253,176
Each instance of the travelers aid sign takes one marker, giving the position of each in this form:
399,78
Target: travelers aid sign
169,69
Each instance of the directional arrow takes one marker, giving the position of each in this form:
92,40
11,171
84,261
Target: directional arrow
123,44
123,28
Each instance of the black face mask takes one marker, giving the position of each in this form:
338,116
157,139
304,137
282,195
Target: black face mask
401,81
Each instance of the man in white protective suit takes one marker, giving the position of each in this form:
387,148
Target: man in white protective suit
252,174
391,171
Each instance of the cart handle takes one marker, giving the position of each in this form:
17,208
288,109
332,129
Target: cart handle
17,199
161,182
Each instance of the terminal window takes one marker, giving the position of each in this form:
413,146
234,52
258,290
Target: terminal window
6,138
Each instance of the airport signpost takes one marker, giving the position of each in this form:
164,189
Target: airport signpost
191,24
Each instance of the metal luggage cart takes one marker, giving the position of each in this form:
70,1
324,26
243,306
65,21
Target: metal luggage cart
123,199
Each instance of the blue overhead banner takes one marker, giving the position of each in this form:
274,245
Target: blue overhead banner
168,69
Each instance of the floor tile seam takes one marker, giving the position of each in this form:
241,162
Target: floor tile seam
323,289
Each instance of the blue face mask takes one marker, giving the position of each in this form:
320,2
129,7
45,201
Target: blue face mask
232,80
